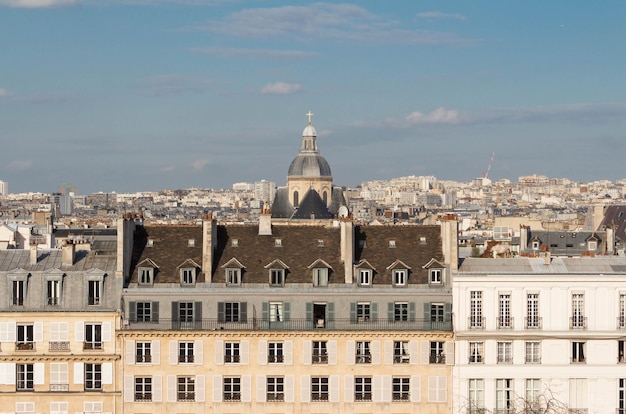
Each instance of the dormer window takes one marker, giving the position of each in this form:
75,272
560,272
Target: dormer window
535,245
233,277
392,244
435,276
146,276
149,243
365,277
234,242
320,243
187,276
18,291
400,277
278,242
422,240
191,243
320,277
277,277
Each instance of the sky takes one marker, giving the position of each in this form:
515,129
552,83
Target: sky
144,95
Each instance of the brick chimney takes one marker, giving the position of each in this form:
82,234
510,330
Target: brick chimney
33,254
209,243
347,248
265,222
67,253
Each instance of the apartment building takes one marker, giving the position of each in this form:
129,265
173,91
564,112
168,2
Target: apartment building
533,331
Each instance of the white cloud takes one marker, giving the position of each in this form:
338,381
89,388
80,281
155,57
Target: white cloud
440,15
438,116
170,85
20,165
255,53
34,4
281,88
5,92
199,165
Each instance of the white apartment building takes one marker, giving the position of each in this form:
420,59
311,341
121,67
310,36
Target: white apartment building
540,330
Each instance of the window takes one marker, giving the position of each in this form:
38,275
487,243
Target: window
400,388
476,395
25,380
578,396
191,242
320,276
146,276
578,352
592,245
93,377
319,389
532,311
18,292
231,312
392,244
505,355
93,336
143,352
58,407
621,396
320,242
185,352
365,277
234,242
233,277
621,319
186,388
187,276
363,389
277,277
275,389
276,311
504,312
232,389
437,354
620,351
533,352
296,199
400,311
185,312
400,277
25,338
476,310
54,292
476,352
363,355
231,352
95,295
401,353
278,242
437,312
533,391
59,380
275,352
505,396
578,320
435,276
143,389
320,352
144,311
363,312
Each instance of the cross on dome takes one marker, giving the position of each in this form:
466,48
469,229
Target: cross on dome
309,114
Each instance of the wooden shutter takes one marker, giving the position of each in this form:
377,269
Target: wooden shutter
375,352
449,352
353,312
198,350
38,331
200,388
79,372
331,347
412,312
132,311
173,353
305,388
39,374
286,311
106,331
156,352
288,345
246,388
348,386
219,352
129,388
155,312
265,311
107,373
244,352
217,388
390,311
157,388
350,352
171,388
307,352
374,311
175,312
243,312
388,352
260,388
263,352
413,352
130,352
79,331
415,387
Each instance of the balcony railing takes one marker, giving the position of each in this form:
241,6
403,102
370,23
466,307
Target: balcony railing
401,359
300,324
319,358
59,346
92,345
403,396
363,359
578,322
25,346
275,359
59,387
621,323
437,359
143,359
505,323
475,322
534,322
275,397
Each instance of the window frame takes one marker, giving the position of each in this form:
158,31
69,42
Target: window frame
400,277
437,354
143,352
319,352
365,277
275,389
24,377
145,276
187,276
231,389
54,291
400,388
320,386
185,388
505,352
233,276
277,277
186,351
401,352
362,352
320,276
143,389
275,352
532,352
363,312
19,288
401,311
93,377
362,389
476,352
232,352
579,349
435,276
94,292
144,312
93,336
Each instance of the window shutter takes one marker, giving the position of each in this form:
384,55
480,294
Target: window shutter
377,388
244,352
447,314
288,352
156,352
174,313
12,331
246,388
449,352
260,388
10,374
79,369
130,352
262,352
415,387
442,389
305,388
217,388
289,388
129,388
171,388
432,389
352,312
4,332
106,331
39,373
107,373
307,352
265,311
388,358
376,352
157,388
413,352
286,311
197,312
309,311
220,312
333,391
390,312
348,381
155,312
79,331
38,331
198,350
219,352
331,348
350,352
374,308
330,311
200,388
426,315
243,312
425,345
387,390
412,312
173,353
132,311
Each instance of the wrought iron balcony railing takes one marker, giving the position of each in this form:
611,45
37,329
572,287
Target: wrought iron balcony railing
533,322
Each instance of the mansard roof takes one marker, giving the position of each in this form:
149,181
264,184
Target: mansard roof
52,259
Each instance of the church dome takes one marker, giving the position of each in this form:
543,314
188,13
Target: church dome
309,165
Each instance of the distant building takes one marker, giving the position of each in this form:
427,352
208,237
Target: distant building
4,188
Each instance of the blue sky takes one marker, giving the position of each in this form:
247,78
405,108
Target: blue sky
132,95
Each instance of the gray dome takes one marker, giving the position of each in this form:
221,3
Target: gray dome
309,165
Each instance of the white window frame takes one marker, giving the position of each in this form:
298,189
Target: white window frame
187,276
400,277
401,311
276,312
505,395
233,277
275,389
435,276
579,351
54,289
401,352
320,276
400,388
186,388
24,377
476,352
533,352
143,388
145,276
143,352
232,352
186,353
275,352
231,389
320,388
505,352
363,389
365,277
277,277
476,397
93,377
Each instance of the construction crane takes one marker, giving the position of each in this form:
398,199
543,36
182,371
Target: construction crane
486,173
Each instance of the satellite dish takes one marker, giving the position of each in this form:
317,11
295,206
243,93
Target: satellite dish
343,211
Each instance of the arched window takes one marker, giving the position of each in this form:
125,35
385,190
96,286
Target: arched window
296,199
325,197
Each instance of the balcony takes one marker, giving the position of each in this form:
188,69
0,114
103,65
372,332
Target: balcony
59,346
143,359
505,323
533,322
475,322
25,346
578,322
621,323
294,324
437,359
319,358
59,387
92,346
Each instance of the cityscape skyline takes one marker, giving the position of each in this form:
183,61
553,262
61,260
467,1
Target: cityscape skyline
145,95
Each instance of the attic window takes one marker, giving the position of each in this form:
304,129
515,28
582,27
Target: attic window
278,242
150,243
234,242
191,243
392,244
435,276
320,243
620,215
535,245
422,240
187,276
146,276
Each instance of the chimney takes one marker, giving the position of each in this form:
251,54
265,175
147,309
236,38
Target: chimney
547,258
209,243
450,240
67,253
610,240
346,230
265,222
33,254
523,238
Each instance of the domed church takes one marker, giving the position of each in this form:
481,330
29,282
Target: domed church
309,193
